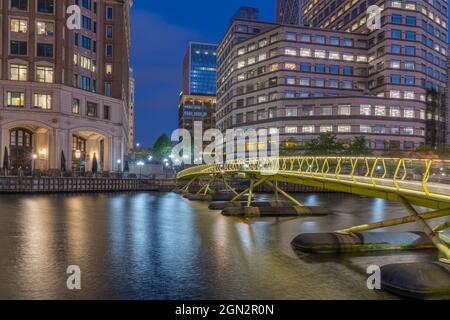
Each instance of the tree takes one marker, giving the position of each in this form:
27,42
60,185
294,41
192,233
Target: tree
162,147
358,147
326,145
94,164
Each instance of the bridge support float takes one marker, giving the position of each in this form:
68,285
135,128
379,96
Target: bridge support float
220,205
423,281
361,242
275,211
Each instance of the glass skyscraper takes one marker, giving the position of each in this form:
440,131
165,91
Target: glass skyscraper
199,69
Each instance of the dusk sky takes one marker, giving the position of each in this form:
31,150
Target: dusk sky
161,30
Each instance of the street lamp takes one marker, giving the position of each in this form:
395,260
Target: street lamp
118,165
150,158
34,161
140,165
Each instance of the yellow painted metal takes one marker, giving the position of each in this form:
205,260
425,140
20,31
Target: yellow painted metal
285,194
248,189
416,179
434,236
277,198
396,222
442,227
426,176
227,185
250,193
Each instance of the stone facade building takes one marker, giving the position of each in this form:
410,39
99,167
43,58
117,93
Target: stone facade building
64,90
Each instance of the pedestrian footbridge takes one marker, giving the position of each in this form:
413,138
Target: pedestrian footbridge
413,182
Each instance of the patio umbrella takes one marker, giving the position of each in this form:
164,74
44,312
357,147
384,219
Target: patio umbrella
5,162
94,164
63,162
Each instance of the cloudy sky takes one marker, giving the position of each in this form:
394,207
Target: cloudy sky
161,30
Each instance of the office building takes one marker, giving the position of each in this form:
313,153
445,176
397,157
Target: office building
289,12
338,76
197,101
64,90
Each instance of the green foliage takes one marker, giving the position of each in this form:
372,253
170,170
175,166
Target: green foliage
358,147
326,145
162,147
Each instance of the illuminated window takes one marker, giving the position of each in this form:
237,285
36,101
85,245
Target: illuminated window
304,52
290,52
290,130
42,101
15,99
344,129
44,74
321,54
365,109
324,129
19,25
75,106
290,66
395,112
380,111
18,72
44,28
409,112
395,94
108,69
308,129
410,95
344,110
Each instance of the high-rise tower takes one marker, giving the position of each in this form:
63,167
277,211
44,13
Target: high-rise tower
290,12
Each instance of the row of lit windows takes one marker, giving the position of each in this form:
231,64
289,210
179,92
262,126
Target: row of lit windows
344,110
365,110
17,99
292,36
393,94
377,129
19,72
304,67
43,28
322,54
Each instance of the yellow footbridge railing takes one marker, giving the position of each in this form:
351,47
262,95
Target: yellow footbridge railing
412,182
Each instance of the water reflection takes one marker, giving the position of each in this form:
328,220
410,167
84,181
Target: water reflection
162,246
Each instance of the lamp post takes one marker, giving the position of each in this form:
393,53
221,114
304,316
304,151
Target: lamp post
34,162
119,162
140,165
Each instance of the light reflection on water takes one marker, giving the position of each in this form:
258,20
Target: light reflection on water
162,246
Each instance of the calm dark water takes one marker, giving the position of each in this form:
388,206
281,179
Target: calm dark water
161,246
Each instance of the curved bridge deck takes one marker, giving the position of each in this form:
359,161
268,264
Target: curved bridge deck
422,182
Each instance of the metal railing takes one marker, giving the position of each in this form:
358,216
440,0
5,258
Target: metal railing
424,177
